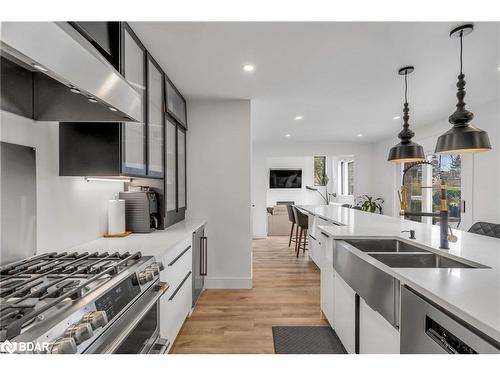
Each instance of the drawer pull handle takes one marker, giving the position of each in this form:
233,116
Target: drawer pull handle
180,286
324,234
179,256
314,238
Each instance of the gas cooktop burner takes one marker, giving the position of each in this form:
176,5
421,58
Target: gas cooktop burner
41,286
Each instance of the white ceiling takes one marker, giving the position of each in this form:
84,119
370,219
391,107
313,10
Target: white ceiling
341,77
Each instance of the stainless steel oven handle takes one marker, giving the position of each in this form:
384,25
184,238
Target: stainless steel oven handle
160,289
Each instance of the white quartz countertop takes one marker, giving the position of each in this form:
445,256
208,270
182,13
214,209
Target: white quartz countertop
471,294
155,243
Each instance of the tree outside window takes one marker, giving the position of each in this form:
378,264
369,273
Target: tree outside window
319,170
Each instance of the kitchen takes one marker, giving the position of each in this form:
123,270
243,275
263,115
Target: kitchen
136,194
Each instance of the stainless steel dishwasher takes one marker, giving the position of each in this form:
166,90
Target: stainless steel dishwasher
429,329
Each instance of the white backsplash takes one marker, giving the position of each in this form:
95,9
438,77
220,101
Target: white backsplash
70,210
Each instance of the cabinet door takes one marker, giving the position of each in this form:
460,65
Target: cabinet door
181,167
155,119
176,106
344,313
134,133
171,165
376,334
327,278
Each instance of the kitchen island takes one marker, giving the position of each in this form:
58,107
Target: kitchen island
470,293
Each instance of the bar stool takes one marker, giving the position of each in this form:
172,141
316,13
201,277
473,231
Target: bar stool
291,217
302,222
486,229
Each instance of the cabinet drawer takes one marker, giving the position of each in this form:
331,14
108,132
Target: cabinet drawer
177,268
176,307
174,251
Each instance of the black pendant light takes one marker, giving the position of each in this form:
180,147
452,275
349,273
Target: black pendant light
406,151
462,138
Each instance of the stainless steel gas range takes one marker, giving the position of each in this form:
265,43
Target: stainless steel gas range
81,303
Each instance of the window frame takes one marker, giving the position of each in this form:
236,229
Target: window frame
343,176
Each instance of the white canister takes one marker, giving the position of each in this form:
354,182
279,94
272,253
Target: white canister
116,216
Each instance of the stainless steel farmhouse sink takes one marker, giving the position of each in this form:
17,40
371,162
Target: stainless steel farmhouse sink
384,246
427,260
379,289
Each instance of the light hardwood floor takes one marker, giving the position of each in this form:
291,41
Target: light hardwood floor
285,292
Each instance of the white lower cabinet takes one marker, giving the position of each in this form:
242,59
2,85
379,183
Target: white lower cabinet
327,275
314,238
175,308
376,334
176,304
344,313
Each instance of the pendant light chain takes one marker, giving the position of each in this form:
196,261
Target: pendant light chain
406,87
461,50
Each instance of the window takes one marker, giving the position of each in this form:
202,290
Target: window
423,192
319,170
346,177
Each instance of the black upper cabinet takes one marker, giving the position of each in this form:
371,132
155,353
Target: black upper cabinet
89,149
104,36
151,150
134,142
176,104
155,118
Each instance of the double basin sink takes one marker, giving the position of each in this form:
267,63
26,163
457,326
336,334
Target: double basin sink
399,254
379,289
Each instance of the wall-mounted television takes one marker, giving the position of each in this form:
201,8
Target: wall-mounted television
285,178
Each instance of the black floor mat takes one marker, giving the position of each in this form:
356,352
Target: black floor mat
306,340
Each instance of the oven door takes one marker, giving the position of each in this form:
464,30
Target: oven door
136,331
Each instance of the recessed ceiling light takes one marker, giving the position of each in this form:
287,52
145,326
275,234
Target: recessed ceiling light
248,68
39,67
396,117
499,68
360,135
112,109
92,100
74,91
298,117
288,135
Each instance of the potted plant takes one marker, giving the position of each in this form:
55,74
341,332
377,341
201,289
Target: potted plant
370,204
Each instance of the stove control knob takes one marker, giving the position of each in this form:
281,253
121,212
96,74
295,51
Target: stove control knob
80,332
96,319
146,276
156,268
64,345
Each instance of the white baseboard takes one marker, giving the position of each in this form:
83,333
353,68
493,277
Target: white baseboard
259,236
228,283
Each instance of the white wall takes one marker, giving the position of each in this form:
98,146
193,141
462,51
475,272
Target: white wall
480,172
70,210
218,174
266,154
299,196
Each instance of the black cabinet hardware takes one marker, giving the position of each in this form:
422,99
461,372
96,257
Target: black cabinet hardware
179,256
180,286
